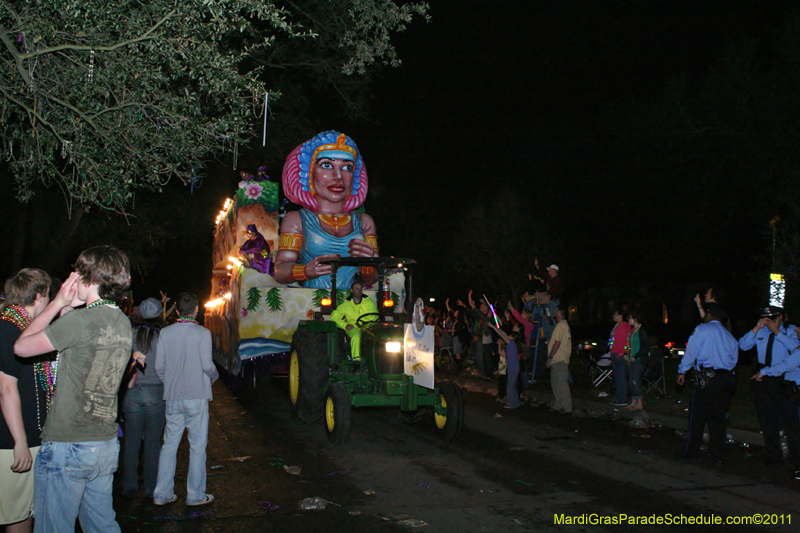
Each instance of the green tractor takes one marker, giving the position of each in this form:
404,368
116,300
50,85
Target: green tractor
325,381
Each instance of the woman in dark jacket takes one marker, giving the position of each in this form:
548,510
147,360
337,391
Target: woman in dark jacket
637,361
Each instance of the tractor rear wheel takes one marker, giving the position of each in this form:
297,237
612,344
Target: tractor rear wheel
449,411
308,374
338,414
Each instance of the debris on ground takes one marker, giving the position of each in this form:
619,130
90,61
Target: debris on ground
294,470
269,506
413,523
313,504
241,459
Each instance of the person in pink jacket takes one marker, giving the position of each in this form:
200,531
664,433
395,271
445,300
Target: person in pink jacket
618,344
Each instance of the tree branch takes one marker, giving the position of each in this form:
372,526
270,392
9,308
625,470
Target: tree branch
30,111
86,48
16,55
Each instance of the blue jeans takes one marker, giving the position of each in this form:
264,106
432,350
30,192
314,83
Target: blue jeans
635,371
477,350
620,372
191,415
511,388
74,480
144,409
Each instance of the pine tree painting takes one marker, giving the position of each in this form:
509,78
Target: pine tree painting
274,300
319,294
253,299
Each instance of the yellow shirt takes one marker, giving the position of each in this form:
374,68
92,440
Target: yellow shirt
561,333
349,311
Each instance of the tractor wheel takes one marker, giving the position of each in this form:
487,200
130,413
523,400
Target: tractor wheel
338,414
449,412
308,375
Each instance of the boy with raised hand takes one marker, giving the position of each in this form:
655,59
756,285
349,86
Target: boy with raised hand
75,466
185,366
23,400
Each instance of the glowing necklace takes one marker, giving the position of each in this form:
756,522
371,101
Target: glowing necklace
102,301
186,320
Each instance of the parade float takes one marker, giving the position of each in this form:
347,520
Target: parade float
252,316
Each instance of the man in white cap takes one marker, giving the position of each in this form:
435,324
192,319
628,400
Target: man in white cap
555,287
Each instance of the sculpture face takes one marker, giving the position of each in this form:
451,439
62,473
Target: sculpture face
333,179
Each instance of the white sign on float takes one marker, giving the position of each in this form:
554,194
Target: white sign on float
418,344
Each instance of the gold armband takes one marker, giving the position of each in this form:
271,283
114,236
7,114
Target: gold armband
291,241
373,241
299,272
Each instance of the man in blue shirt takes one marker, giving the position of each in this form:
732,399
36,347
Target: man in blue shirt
774,341
712,352
789,371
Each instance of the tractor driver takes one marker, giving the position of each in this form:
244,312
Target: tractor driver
348,313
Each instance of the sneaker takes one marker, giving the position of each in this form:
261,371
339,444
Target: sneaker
208,499
167,502
602,394
618,404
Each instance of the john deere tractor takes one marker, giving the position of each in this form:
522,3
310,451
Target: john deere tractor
326,382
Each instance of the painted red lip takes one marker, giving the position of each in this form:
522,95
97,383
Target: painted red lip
335,188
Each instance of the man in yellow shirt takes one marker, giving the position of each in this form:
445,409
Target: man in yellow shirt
348,312
560,348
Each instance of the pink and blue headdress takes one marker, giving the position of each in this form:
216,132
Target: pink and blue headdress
297,183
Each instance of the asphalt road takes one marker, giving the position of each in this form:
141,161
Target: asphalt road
511,471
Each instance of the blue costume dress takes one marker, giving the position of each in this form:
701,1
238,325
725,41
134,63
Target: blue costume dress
317,242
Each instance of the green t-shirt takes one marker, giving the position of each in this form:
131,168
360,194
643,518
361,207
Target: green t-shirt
94,347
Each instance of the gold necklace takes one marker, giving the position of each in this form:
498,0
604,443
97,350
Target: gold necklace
335,221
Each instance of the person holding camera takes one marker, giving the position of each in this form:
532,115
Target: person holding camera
774,341
712,352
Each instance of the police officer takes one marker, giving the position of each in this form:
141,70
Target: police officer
712,352
774,341
788,372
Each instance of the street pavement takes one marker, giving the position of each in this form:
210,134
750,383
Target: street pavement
600,408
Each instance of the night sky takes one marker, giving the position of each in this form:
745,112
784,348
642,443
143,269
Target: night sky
536,99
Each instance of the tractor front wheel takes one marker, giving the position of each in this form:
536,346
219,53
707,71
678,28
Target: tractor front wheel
449,411
338,414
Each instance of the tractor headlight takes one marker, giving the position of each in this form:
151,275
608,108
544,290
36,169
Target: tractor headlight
393,347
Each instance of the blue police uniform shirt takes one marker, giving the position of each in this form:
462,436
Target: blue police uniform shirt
786,342
710,346
789,368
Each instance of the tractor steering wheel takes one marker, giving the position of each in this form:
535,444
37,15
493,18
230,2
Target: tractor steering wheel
360,322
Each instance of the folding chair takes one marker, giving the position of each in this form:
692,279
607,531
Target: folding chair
602,368
447,352
654,376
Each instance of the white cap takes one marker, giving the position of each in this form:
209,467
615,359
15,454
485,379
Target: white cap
553,266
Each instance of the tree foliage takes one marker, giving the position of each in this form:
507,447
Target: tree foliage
104,98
